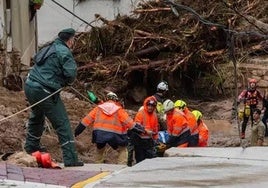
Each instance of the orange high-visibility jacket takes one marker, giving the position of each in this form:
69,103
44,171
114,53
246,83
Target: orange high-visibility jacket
109,116
203,134
177,123
148,120
191,121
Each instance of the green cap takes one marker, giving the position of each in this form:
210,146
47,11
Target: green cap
66,34
68,31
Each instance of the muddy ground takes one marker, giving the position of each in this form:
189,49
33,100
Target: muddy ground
217,115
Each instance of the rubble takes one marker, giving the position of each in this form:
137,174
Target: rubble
180,42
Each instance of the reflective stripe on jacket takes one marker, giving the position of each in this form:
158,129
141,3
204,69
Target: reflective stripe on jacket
148,120
109,117
177,123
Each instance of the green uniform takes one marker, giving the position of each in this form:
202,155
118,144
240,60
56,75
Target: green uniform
54,68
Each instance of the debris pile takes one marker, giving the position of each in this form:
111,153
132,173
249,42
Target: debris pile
172,40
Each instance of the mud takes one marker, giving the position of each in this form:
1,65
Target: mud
217,115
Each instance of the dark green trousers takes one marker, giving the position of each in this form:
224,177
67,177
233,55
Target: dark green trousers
54,109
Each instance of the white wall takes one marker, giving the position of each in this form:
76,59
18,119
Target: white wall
52,18
2,18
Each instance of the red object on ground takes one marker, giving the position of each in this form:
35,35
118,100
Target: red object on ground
37,155
44,159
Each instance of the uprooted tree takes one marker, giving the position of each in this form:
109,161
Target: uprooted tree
183,42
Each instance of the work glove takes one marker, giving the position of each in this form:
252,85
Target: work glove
79,129
138,128
161,147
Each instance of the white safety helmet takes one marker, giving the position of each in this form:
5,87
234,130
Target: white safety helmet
168,105
112,96
162,86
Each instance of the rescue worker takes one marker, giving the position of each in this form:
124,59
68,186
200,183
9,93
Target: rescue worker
54,69
177,126
193,140
250,98
144,143
203,129
160,96
110,124
258,129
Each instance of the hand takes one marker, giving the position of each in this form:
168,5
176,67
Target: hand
138,128
161,147
79,129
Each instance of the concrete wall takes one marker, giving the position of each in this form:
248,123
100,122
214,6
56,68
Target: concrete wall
52,18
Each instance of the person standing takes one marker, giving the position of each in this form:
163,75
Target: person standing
250,97
54,69
160,96
144,143
110,125
258,129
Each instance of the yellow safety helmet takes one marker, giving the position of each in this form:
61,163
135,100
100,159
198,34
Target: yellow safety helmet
180,104
197,114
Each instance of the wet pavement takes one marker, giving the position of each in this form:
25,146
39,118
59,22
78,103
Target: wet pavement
196,167
16,176
183,167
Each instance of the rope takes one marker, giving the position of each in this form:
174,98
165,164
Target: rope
8,117
82,95
72,13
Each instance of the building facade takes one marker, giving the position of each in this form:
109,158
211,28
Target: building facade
18,37
52,18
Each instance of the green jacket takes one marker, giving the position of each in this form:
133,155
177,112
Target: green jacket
54,66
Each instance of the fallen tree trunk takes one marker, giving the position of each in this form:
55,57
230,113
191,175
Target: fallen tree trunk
258,23
151,50
151,64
